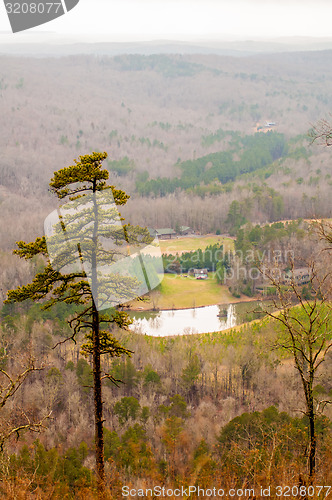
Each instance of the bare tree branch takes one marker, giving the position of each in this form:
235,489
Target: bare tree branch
31,426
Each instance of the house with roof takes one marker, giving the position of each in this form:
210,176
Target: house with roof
200,274
299,276
165,233
183,230
152,232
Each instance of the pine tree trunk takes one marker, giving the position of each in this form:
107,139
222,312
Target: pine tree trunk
98,405
97,391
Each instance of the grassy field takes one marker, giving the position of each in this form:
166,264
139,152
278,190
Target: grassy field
187,244
177,292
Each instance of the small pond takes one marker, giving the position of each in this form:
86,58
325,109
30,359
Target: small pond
194,320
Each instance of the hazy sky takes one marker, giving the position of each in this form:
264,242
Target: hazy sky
190,19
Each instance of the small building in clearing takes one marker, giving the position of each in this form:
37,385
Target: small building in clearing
183,230
152,232
299,276
165,233
201,274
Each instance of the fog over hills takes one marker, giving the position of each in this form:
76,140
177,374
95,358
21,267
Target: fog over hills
51,44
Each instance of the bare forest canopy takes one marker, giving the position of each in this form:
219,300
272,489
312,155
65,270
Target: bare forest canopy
184,411
186,134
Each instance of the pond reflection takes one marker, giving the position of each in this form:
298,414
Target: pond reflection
194,320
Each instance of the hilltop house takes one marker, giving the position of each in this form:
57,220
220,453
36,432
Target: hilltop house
300,276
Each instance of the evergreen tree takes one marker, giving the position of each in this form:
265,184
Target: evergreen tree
79,271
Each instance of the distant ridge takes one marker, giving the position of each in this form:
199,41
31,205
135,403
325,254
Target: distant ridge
42,45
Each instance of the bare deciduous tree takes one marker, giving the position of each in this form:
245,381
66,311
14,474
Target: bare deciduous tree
322,131
10,383
305,317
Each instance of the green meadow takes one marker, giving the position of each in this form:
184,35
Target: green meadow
187,244
178,292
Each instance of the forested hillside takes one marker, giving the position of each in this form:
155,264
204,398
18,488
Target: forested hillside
176,128
215,410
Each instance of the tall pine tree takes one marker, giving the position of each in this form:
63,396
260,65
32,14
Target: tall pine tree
72,273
